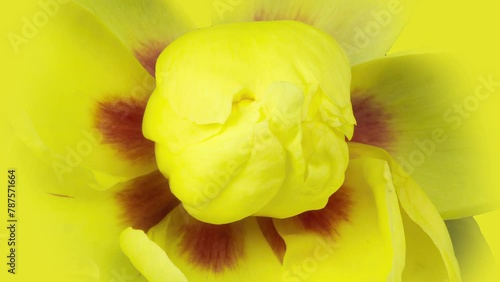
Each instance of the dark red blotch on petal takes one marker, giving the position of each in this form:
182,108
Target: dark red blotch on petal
326,221
148,54
212,247
146,200
272,236
372,121
120,122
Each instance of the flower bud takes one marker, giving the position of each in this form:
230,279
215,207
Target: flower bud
251,119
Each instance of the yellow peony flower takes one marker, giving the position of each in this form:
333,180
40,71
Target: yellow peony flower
239,141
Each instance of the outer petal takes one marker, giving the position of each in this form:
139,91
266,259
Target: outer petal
474,255
367,245
72,236
76,96
420,216
365,28
204,252
147,27
423,260
434,115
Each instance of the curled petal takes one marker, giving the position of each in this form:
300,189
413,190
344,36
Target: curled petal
149,259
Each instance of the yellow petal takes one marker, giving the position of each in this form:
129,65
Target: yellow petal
147,27
76,96
366,29
204,252
434,114
418,208
76,228
149,259
423,260
358,236
473,253
251,129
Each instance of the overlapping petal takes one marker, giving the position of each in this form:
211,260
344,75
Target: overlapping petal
365,28
205,252
77,97
419,216
362,240
147,27
150,259
477,262
64,226
431,113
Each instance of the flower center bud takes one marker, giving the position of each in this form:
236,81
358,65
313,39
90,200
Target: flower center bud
251,119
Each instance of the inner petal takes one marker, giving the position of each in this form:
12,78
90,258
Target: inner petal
373,121
206,252
146,200
271,101
325,221
120,122
212,247
148,54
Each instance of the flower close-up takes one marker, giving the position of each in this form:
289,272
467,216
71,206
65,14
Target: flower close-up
262,140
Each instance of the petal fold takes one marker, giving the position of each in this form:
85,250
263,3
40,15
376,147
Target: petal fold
419,216
336,242
149,259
